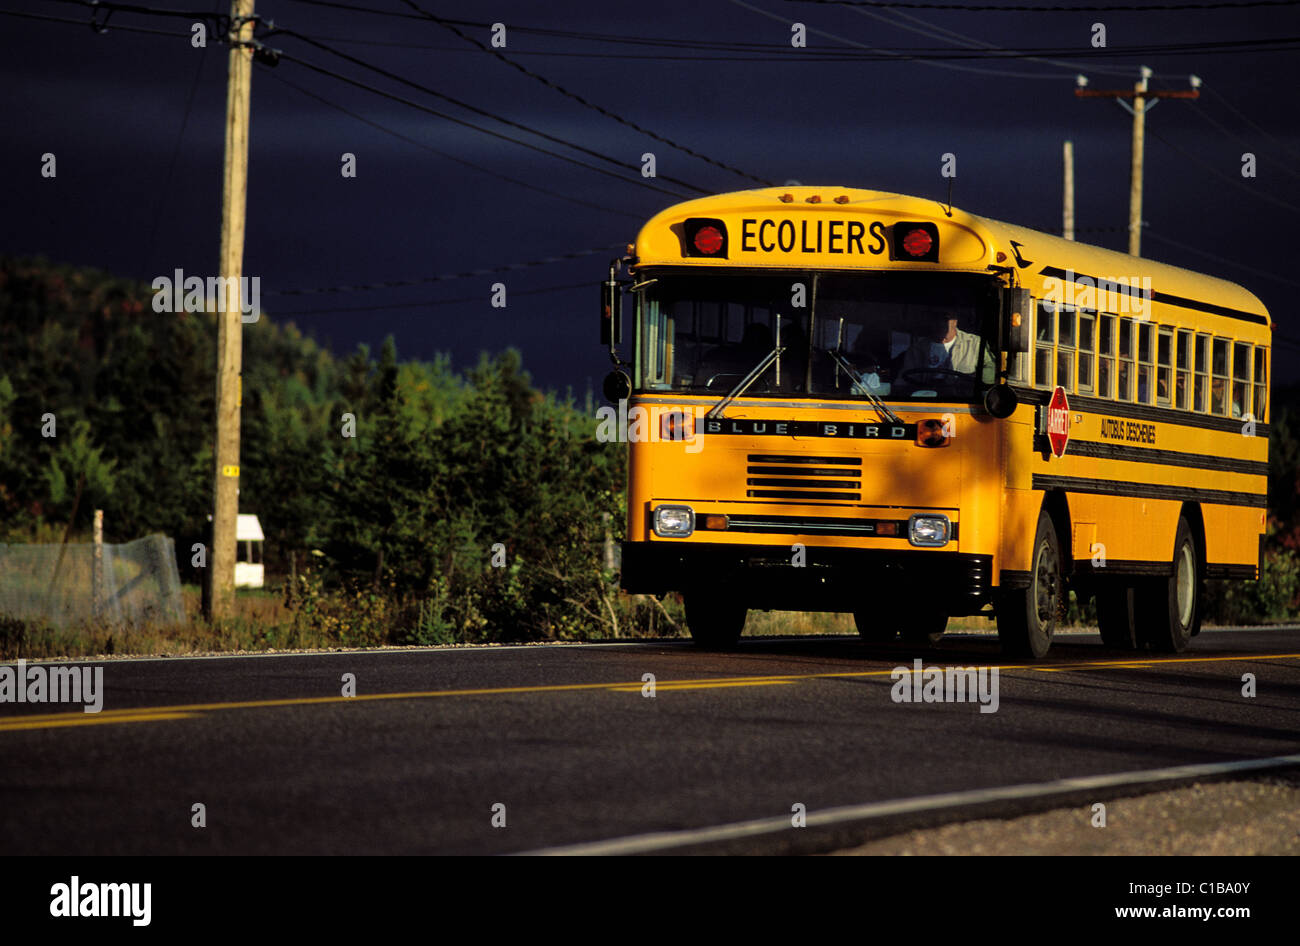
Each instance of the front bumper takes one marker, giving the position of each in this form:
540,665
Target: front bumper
830,579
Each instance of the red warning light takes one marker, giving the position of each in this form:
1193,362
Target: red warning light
917,242
708,240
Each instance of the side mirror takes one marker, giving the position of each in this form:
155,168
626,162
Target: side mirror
1017,315
611,311
617,386
1000,401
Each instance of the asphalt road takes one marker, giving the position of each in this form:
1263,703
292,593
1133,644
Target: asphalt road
564,738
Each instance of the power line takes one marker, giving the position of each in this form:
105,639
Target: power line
1078,8
171,165
585,284
937,32
536,76
1225,177
1227,133
110,8
1265,274
83,24
479,111
204,15
448,277
923,54
1246,118
486,131
450,157
978,70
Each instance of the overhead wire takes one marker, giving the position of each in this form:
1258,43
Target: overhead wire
450,157
460,103
638,181
555,86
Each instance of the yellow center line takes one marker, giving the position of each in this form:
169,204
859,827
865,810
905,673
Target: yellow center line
86,719
676,685
148,714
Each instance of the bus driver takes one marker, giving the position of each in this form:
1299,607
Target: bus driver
942,346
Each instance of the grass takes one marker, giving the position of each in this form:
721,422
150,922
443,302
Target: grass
262,622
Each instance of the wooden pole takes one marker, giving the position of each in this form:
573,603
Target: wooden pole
225,506
1135,177
1067,210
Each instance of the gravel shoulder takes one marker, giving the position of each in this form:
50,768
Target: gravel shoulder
1257,817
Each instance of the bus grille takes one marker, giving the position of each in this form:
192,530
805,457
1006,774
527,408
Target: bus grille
803,478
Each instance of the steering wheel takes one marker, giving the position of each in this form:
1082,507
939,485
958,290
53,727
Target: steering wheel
928,373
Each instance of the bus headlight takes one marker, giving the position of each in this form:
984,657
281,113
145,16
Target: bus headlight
674,522
928,531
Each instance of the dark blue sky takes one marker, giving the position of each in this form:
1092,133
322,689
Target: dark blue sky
111,108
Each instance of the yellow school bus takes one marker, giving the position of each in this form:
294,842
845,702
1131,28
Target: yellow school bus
855,401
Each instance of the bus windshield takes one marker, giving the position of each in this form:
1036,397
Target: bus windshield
904,336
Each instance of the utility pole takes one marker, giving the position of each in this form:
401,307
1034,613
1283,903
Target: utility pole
1138,110
1067,209
225,506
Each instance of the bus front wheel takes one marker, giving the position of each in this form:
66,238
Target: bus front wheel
1169,609
1027,617
715,623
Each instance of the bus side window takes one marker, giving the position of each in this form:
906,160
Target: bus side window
1105,354
1261,383
1201,366
1084,377
1044,336
1164,366
1144,367
1219,377
1125,375
1184,368
1240,379
1065,347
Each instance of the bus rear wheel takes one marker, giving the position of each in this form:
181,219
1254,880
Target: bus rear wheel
1027,617
1169,609
1116,618
715,623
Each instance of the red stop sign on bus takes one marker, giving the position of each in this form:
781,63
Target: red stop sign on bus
1058,421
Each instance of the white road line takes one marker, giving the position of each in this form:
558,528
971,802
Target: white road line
664,840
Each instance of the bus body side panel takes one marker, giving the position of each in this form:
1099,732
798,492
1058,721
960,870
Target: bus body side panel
1232,540
1020,503
1122,533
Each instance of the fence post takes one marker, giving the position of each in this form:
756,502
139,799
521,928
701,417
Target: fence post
97,566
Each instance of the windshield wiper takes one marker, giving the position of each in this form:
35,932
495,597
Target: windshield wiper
859,382
716,411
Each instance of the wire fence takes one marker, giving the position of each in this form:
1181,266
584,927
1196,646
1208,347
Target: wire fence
128,585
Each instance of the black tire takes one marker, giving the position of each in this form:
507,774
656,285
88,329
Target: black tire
715,623
922,628
1116,615
1027,617
876,626
1169,609
925,628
